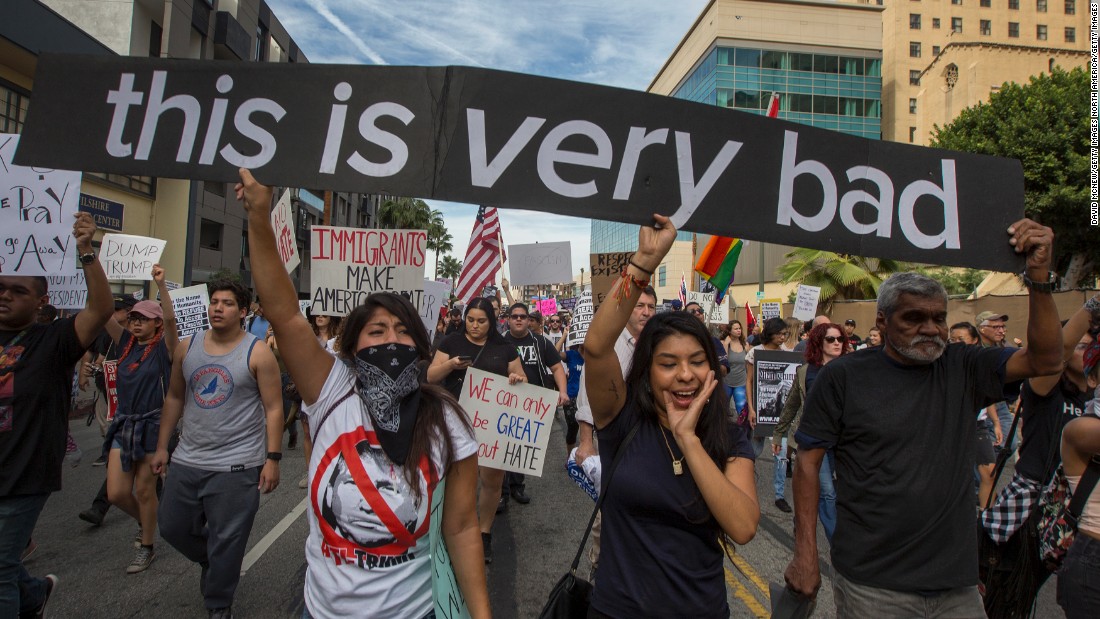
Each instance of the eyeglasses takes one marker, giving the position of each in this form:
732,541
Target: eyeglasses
519,316
696,311
994,327
831,339
138,318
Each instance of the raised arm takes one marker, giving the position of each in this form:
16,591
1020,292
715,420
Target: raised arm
99,307
1075,329
171,334
309,366
603,374
1043,355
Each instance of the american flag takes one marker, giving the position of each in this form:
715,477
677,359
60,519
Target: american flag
683,291
483,257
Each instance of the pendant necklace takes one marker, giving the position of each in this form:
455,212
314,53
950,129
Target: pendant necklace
677,465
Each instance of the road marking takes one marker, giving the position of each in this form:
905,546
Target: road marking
745,568
274,534
746,596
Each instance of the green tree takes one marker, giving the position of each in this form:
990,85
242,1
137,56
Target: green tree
1044,124
404,214
840,276
439,239
957,281
451,267
226,274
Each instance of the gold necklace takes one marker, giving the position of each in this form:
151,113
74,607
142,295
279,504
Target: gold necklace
677,465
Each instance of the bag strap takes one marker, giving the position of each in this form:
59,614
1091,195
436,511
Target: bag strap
1084,489
321,422
1002,458
606,487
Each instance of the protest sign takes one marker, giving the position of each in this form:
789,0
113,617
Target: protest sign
606,269
446,595
191,306
489,137
773,375
511,422
716,313
36,216
138,295
548,306
433,298
68,291
539,263
110,380
582,317
348,264
304,307
126,256
805,304
567,304
172,285
771,308
282,221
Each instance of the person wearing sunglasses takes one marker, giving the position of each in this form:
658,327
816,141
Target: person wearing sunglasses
554,332
825,343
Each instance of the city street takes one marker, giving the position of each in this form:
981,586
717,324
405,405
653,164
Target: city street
533,546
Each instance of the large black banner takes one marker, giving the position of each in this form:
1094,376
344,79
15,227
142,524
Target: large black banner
520,141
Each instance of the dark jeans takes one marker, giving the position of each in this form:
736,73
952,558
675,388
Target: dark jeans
1079,579
207,516
513,482
19,591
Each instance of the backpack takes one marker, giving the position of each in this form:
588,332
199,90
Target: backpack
1059,510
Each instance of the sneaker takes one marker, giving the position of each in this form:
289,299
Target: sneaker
51,586
29,550
304,483
93,516
100,461
487,546
221,613
137,538
142,560
783,506
73,457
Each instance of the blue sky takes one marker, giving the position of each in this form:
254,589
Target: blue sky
614,43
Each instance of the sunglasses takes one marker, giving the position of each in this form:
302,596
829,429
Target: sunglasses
696,311
519,316
831,339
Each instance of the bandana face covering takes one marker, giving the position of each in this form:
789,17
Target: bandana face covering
387,380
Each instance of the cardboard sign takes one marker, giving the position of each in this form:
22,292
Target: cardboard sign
805,304
548,307
434,297
348,264
488,137
773,375
126,256
36,216
582,317
511,422
715,313
282,221
191,306
446,594
540,263
110,379
68,291
606,269
771,308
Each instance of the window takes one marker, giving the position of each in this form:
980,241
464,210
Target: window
260,52
951,75
914,21
13,109
661,272
935,23
1014,5
956,24
935,50
985,3
1041,32
957,2
914,78
144,185
1071,35
912,134
912,106
1013,30
986,27
156,33
210,235
1071,7
215,187
1040,6
914,49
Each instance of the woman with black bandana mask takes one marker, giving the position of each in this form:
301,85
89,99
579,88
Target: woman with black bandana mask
383,441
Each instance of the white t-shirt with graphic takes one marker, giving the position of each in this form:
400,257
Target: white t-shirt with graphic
367,550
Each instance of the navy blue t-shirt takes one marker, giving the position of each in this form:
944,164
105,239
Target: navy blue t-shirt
659,552
142,389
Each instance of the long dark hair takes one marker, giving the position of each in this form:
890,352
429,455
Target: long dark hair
485,305
430,421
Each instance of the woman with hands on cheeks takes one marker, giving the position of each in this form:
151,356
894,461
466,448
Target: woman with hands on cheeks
688,470
383,441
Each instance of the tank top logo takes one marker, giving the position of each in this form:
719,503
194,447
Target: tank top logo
211,385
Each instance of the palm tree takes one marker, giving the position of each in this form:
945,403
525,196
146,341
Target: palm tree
439,240
451,267
840,276
404,214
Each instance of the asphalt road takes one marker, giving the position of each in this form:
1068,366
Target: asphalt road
533,546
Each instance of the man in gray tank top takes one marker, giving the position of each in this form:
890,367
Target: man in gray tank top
225,385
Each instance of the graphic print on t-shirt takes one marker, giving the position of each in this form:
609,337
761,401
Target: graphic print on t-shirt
8,358
368,514
211,385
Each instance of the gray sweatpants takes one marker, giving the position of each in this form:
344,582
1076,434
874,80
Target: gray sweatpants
207,516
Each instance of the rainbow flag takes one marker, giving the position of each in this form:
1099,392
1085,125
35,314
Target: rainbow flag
717,262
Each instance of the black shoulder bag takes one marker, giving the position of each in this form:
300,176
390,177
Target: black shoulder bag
569,598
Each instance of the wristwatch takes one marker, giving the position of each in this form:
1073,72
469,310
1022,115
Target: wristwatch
87,258
274,456
1043,287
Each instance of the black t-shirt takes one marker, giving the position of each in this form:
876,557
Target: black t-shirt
492,357
659,552
538,355
36,377
1043,419
904,463
142,389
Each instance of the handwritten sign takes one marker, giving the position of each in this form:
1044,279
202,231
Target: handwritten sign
191,306
433,299
304,307
511,422
771,308
715,313
805,304
125,256
37,206
548,306
68,291
348,264
446,595
110,380
282,221
540,263
582,317
606,270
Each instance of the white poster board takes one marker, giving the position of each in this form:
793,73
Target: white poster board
431,301
68,291
540,263
282,221
805,304
304,306
715,313
511,422
126,256
582,317
191,306
37,207
349,264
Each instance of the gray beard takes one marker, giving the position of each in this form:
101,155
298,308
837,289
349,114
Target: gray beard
917,354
